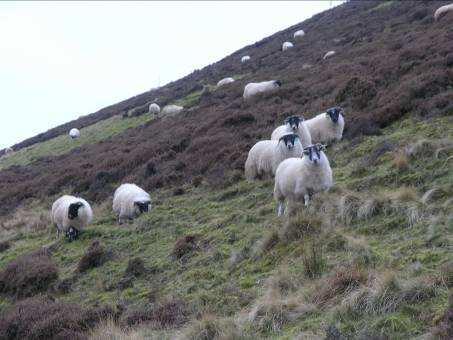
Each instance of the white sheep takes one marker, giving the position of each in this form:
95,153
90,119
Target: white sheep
298,179
326,127
442,10
265,156
129,201
154,109
293,124
287,45
74,133
328,55
225,81
9,150
245,58
71,215
172,109
252,89
299,34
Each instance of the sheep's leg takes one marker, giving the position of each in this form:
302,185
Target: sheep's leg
306,199
281,208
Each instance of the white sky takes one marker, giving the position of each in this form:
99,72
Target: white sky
61,60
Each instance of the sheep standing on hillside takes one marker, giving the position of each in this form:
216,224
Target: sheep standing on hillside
287,45
299,34
8,151
129,201
172,109
71,215
154,109
252,89
74,133
245,58
265,156
442,10
327,126
329,54
298,179
225,81
293,124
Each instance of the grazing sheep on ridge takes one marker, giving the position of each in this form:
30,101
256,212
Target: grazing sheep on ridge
71,215
299,34
252,89
154,109
327,126
225,81
265,156
129,201
298,179
172,109
74,133
293,124
245,58
328,55
442,10
287,45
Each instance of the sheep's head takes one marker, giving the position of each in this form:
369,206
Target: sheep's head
294,122
142,207
72,234
277,83
73,210
290,140
314,153
334,113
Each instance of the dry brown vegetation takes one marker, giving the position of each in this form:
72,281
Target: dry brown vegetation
95,256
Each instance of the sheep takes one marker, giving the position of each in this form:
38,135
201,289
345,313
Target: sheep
71,215
265,156
293,124
225,81
327,126
245,58
299,34
287,45
328,55
74,133
442,10
172,109
298,179
129,201
252,89
8,150
154,109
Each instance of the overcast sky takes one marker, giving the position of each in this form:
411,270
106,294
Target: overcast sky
61,60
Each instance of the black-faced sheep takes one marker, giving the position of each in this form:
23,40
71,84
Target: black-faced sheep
326,127
252,89
129,201
293,124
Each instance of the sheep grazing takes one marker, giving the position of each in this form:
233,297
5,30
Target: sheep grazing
252,89
172,109
327,126
225,81
293,124
299,34
129,201
245,58
329,54
74,133
154,109
442,10
298,179
265,156
8,151
71,215
287,45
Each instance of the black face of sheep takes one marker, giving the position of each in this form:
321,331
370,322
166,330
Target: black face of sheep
314,152
142,206
289,140
73,210
72,234
278,83
334,113
294,122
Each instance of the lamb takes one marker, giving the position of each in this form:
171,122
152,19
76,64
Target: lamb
252,89
299,34
265,156
154,109
74,133
287,45
328,55
293,124
225,81
298,179
245,58
327,126
442,10
129,201
71,215
172,109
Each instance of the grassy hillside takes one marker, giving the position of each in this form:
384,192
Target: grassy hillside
371,258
